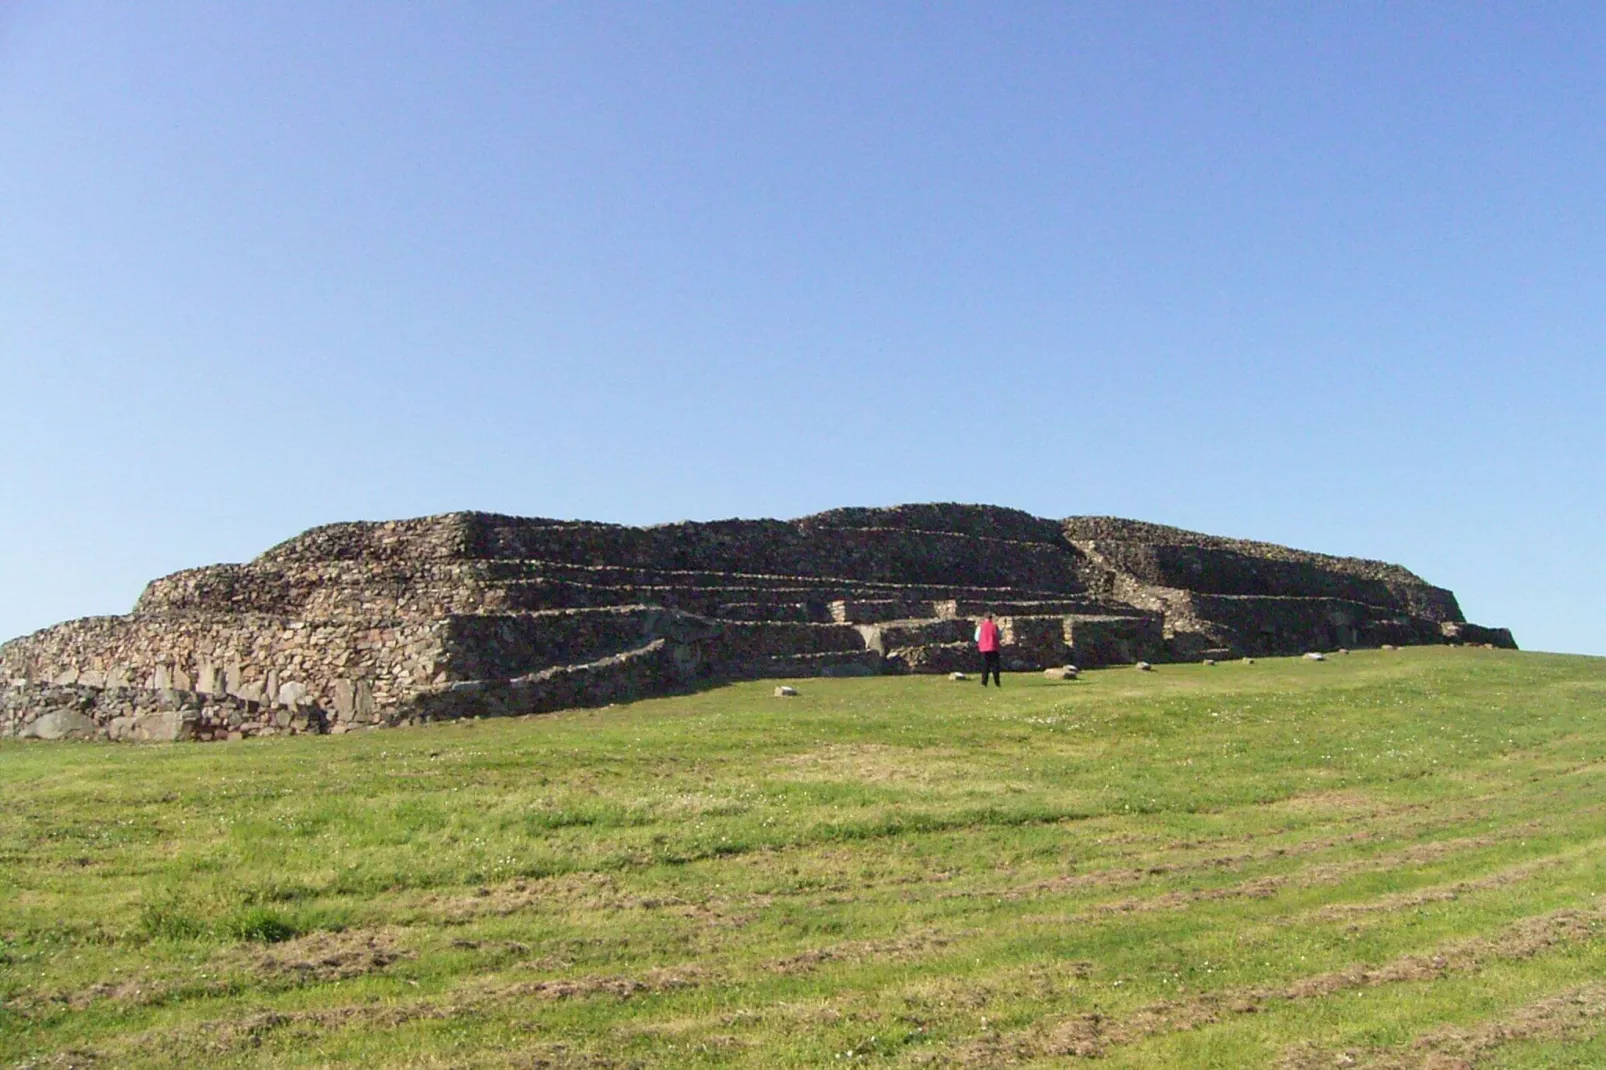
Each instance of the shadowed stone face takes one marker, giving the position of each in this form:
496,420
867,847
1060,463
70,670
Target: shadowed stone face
361,624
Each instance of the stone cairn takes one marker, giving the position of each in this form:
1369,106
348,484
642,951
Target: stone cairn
474,614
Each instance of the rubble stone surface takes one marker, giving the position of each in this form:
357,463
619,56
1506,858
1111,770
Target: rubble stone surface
474,614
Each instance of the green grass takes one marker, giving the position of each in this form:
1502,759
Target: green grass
1379,860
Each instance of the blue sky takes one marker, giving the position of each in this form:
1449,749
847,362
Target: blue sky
1328,275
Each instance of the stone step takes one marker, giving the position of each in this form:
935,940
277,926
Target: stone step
792,612
890,635
506,645
935,658
877,610
748,640
971,608
784,666
842,586
777,548
536,594
328,589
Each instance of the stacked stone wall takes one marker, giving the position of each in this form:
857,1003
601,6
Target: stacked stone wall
1096,640
768,546
130,714
413,619
658,668
348,666
1033,642
937,658
484,647
1106,529
741,641
447,536
984,521
383,589
1269,624
1216,570
1477,635
326,589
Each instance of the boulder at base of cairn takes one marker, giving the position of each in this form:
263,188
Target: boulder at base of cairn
957,676
60,724
785,692
1143,666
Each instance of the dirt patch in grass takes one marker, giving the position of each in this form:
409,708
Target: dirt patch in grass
559,1056
188,1044
499,900
1338,801
134,992
595,892
666,979
330,956
899,949
322,956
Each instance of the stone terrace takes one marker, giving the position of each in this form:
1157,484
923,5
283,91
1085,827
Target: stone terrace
361,624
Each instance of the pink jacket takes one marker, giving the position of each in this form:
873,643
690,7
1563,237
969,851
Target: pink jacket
987,636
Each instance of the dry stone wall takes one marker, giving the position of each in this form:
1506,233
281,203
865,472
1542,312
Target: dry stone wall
473,614
143,715
350,667
1217,570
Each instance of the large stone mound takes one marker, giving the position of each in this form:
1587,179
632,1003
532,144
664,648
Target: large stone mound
361,624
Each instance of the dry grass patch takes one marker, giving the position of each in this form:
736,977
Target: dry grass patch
877,763
331,956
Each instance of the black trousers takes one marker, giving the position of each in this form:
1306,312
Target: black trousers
990,665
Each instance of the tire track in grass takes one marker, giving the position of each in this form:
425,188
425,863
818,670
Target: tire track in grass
221,1036
1085,1035
314,958
1315,876
594,887
1159,866
288,967
1579,1013
1325,874
1448,893
601,892
1093,1034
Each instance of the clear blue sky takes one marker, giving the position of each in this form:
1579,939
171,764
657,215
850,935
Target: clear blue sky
1330,275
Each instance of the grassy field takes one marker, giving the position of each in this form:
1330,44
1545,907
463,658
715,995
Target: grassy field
1390,859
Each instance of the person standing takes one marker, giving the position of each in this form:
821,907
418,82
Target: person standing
988,640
